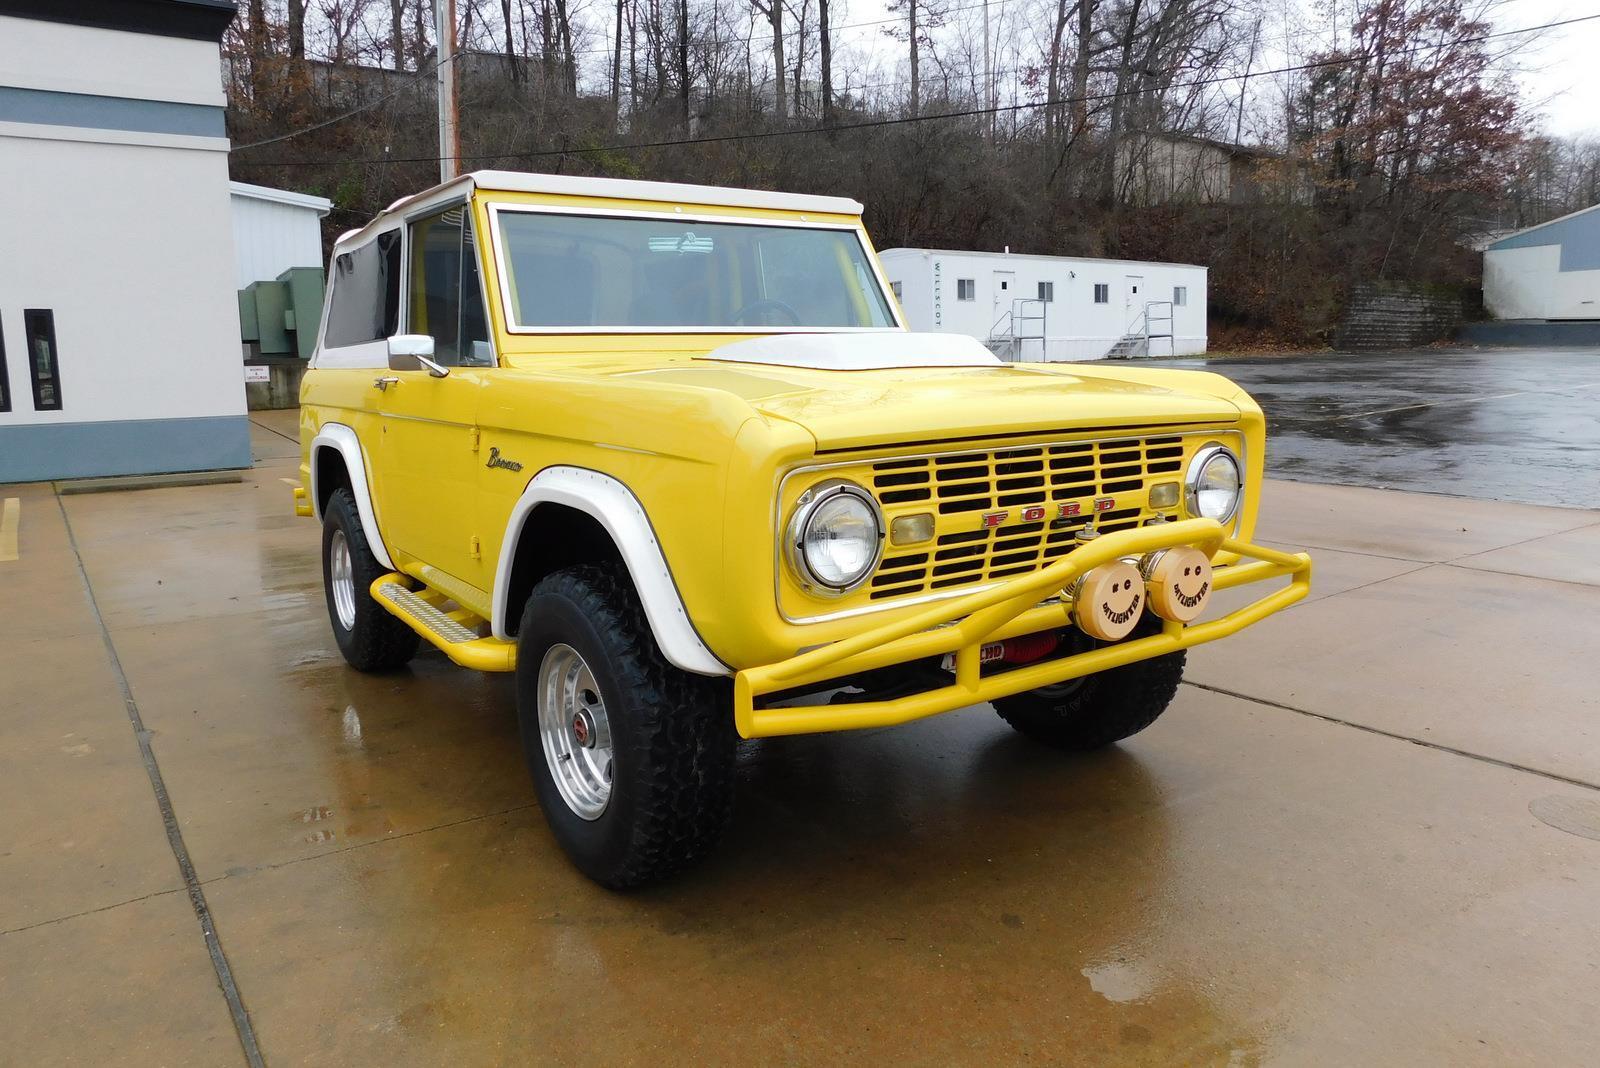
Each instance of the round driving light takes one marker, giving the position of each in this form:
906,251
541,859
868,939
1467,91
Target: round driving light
1108,601
1180,582
835,536
1214,483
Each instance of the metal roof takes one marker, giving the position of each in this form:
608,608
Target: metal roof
1033,256
321,205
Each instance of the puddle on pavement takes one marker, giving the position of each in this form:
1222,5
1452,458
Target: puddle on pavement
1575,815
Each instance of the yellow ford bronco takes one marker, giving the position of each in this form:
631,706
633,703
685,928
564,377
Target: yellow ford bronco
669,454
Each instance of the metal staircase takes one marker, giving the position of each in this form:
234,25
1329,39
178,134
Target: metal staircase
1011,333
1154,322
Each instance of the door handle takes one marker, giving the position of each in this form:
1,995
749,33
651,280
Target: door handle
382,384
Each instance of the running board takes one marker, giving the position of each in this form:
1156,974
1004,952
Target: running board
451,630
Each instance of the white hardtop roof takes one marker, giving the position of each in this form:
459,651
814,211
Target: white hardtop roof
616,189
321,205
888,252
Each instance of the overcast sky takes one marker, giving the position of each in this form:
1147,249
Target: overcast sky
1560,72
1563,75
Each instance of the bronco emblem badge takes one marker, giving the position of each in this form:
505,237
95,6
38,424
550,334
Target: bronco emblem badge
496,460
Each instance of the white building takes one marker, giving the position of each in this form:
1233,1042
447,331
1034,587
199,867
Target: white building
1034,308
273,230
119,349
1549,271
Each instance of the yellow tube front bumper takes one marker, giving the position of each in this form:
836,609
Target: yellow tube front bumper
963,625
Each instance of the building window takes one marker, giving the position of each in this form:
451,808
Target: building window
896,287
39,327
365,305
1102,293
1047,291
966,289
1180,296
5,380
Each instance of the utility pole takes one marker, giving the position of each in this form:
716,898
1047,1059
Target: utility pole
444,24
988,75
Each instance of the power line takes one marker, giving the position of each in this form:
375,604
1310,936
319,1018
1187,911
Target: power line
422,77
907,120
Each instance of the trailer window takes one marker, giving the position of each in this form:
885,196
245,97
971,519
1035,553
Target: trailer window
365,305
1180,295
1102,293
1047,291
966,289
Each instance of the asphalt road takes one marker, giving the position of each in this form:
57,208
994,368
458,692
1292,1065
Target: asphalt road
1505,424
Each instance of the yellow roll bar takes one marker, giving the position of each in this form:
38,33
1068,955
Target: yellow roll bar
963,625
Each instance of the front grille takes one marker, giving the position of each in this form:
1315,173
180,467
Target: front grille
961,488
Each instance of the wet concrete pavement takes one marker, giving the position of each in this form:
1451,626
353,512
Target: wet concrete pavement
1326,852
1504,424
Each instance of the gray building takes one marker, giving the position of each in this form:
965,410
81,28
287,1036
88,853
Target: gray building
1549,271
119,328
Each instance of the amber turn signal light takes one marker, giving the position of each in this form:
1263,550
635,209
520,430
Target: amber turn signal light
911,529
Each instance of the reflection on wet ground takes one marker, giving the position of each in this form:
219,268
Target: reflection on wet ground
1504,424
1242,883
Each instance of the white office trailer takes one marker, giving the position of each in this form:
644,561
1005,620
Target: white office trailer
274,230
1550,271
119,328
1044,308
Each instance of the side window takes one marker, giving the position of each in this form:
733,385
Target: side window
1047,291
1180,295
5,379
365,305
1102,293
966,288
39,327
446,295
898,295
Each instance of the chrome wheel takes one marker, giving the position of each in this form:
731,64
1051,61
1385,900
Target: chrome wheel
575,732
342,580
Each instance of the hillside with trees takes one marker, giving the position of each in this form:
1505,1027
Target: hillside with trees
1291,157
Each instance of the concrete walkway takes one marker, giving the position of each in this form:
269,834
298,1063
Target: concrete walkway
1341,845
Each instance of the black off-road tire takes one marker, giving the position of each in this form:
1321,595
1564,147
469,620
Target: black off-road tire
1095,711
672,733
377,641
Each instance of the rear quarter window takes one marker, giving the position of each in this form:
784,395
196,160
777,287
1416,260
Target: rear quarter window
365,303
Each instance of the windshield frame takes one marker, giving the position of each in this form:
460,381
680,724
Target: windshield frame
503,277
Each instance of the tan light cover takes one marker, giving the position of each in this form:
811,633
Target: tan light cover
1109,601
1180,584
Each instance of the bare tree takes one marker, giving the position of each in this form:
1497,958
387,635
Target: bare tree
773,10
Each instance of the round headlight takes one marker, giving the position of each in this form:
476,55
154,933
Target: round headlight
1214,483
835,536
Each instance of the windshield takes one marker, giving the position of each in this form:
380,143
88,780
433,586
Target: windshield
609,273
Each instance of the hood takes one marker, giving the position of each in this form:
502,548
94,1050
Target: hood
901,405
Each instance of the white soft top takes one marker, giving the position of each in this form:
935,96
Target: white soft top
869,351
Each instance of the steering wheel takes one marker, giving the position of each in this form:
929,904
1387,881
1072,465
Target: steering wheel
767,305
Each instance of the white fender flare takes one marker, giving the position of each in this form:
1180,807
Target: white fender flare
342,439
615,507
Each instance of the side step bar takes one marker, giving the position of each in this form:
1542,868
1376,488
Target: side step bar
452,631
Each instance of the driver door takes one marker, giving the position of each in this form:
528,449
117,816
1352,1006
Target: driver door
429,423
